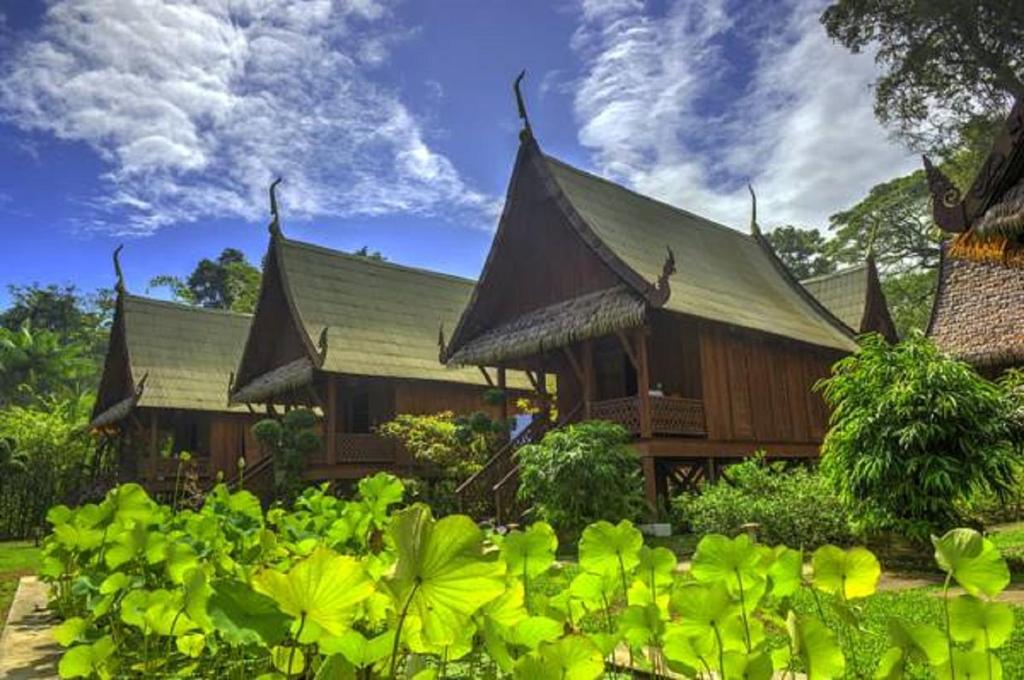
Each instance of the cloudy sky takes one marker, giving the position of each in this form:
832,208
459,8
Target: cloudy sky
160,123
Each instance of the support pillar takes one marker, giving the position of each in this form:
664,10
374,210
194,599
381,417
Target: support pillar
643,383
331,422
650,481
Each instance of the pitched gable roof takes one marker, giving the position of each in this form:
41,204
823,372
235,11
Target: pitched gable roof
844,293
721,274
185,355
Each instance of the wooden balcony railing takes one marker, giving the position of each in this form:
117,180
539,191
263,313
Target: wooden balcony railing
669,415
166,469
360,448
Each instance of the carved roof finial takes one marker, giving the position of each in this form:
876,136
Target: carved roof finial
755,228
275,222
527,131
947,201
119,286
322,344
662,290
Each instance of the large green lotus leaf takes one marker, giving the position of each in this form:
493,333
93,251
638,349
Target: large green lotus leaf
507,609
115,583
442,575
84,661
572,658
288,660
130,502
704,607
742,666
987,624
128,542
640,594
78,538
357,649
532,631
892,665
191,644
180,559
243,616
166,616
851,574
688,653
135,604
786,571
244,503
595,591
735,633
195,592
456,648
656,567
607,548
817,646
72,630
530,553
59,514
919,640
379,492
970,665
735,561
324,589
641,625
972,560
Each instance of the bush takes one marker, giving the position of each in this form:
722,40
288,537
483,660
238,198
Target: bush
47,456
581,474
290,440
796,507
914,434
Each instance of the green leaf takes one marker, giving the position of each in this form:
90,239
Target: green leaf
852,573
703,608
191,644
641,625
968,665
892,665
816,645
742,666
114,583
656,567
596,591
530,553
324,589
243,616
83,661
987,624
972,560
919,640
442,575
574,657
786,571
532,631
608,549
288,660
731,561
357,649
70,631
180,559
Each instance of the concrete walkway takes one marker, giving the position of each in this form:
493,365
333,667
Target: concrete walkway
27,648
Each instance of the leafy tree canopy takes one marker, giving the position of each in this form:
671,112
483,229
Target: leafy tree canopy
946,64
229,282
803,251
370,254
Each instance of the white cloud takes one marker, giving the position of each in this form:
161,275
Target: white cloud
197,104
652,109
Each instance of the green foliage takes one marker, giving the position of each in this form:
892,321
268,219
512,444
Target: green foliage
290,440
580,474
351,588
943,61
803,251
39,364
46,457
229,282
913,433
794,507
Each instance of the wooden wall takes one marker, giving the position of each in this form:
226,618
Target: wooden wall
758,388
673,346
426,397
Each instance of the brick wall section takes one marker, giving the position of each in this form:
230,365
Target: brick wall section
979,313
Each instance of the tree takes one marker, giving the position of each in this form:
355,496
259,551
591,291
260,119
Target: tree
37,364
229,282
803,251
946,63
914,433
370,254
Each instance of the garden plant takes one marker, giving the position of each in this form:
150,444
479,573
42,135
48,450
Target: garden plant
366,588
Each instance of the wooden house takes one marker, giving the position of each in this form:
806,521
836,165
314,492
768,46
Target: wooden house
978,313
854,296
691,335
356,338
164,390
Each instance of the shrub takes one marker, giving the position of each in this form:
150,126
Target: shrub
290,441
914,433
796,507
581,474
46,456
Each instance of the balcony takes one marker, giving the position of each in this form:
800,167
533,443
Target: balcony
670,416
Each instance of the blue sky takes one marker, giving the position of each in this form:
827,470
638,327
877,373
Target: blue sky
160,124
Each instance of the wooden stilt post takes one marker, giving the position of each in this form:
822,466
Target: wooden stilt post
712,471
331,422
650,482
643,383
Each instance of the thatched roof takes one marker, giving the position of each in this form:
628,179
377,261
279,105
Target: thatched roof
184,355
558,325
844,293
358,316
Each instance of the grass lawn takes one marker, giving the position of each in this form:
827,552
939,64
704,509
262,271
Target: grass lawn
17,559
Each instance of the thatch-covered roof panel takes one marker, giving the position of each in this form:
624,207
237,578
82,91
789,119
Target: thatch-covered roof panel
558,325
187,353
844,293
721,274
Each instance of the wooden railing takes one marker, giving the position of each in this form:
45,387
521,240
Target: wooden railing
166,469
669,415
364,448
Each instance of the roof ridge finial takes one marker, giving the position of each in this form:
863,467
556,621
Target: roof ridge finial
527,131
755,229
119,286
275,222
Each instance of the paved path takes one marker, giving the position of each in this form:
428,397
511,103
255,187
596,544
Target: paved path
27,648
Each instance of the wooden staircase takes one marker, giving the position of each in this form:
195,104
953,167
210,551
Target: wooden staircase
491,491
257,478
